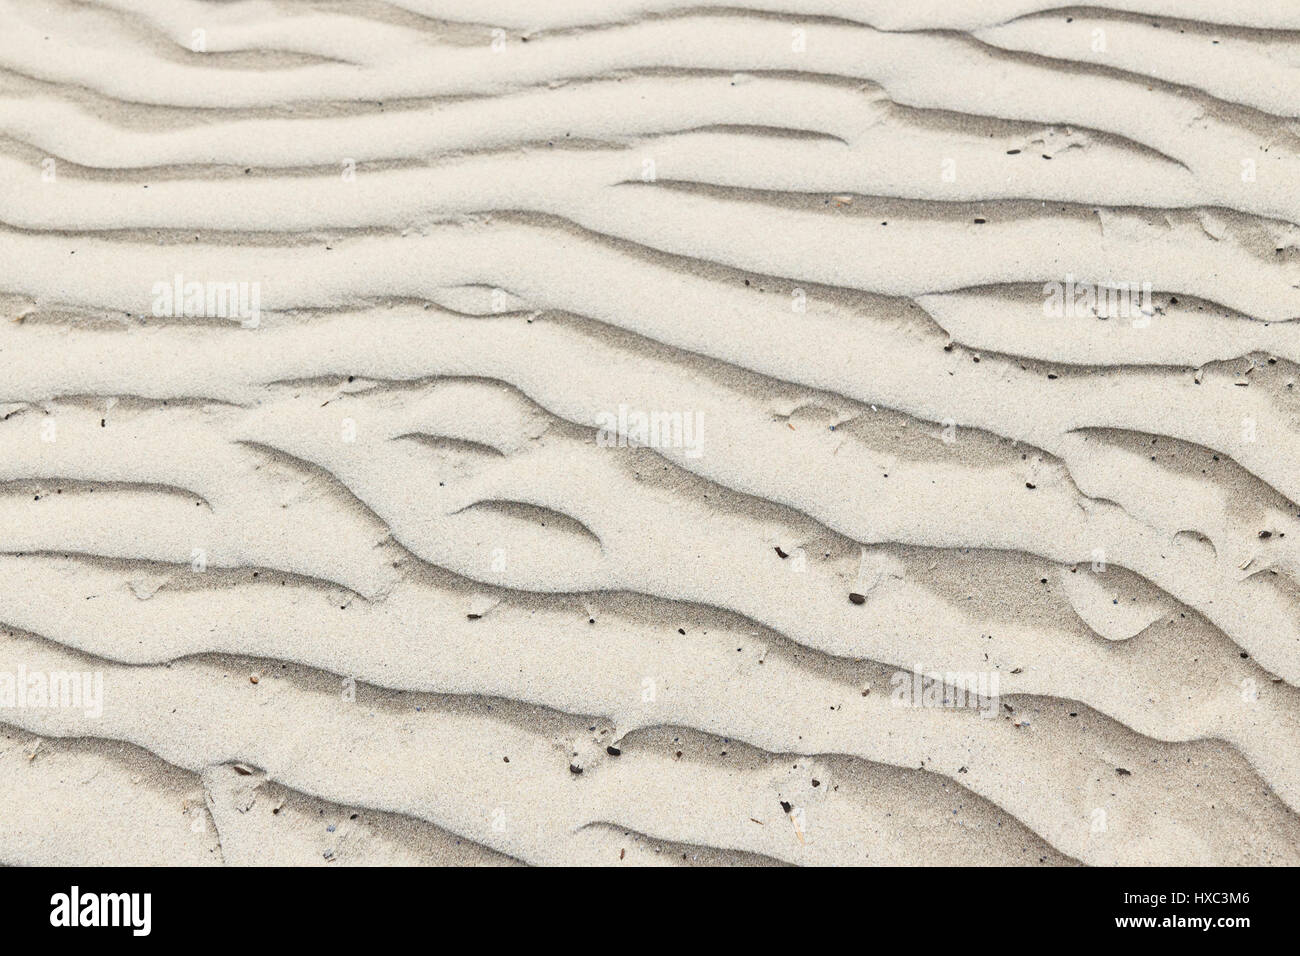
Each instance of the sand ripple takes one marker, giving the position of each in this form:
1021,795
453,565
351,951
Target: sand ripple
375,567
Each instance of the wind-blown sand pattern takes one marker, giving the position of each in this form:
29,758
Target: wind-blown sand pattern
329,329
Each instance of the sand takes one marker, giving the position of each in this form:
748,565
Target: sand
626,432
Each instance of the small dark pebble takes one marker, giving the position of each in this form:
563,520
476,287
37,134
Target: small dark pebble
1030,485
1266,534
786,807
473,617
857,598
613,751
681,630
1123,773
781,554
574,768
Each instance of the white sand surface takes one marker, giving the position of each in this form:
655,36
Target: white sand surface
365,550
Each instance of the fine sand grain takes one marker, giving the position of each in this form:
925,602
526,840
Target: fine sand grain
632,432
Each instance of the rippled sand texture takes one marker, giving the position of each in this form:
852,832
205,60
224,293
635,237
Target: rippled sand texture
370,572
